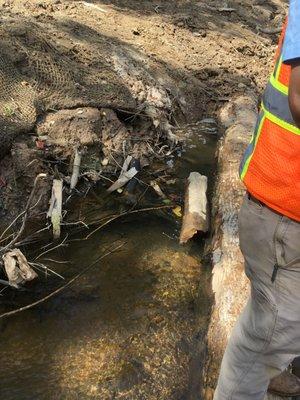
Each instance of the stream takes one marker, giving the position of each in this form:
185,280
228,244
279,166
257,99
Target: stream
134,326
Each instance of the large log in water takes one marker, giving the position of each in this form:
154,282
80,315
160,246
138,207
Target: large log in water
195,217
229,283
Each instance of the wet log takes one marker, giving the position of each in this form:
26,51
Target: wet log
195,217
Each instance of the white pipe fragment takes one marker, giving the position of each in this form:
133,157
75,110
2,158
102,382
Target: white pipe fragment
55,209
125,175
195,218
123,179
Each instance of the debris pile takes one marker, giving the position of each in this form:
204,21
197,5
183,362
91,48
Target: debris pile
62,116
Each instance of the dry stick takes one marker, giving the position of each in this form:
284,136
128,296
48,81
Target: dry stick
53,248
13,222
56,261
16,219
55,292
3,289
76,169
75,223
112,217
6,238
43,267
94,6
269,31
124,214
25,213
30,238
37,202
109,216
6,283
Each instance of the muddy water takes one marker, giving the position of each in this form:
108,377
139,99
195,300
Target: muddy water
131,328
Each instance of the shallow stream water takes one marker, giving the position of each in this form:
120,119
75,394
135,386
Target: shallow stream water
133,327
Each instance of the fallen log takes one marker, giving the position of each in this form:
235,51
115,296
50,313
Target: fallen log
195,217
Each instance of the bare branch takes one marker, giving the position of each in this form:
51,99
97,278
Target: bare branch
113,218
53,248
25,214
61,288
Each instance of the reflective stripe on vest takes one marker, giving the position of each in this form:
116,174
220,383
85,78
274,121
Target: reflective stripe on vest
275,147
275,107
250,149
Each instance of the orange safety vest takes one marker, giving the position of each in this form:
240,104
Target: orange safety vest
270,168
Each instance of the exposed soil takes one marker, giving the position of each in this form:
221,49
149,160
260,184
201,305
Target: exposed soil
158,64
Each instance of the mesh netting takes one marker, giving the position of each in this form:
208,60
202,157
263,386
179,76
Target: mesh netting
36,75
17,99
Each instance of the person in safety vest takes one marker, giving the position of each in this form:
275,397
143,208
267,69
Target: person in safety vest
266,338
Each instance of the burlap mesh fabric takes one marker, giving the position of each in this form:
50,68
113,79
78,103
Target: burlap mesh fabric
35,77
17,98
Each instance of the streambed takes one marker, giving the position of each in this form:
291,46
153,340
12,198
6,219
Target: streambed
131,328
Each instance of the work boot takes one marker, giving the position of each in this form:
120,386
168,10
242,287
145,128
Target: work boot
285,385
296,367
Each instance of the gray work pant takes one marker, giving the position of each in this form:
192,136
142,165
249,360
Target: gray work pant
266,337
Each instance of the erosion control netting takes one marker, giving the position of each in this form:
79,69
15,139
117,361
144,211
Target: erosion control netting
36,74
